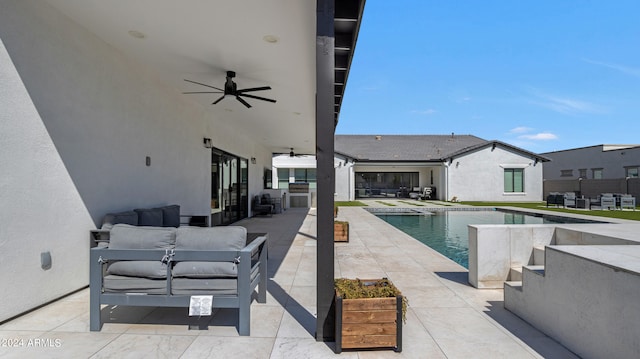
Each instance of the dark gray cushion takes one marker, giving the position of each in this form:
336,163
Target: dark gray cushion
214,238
111,219
171,215
149,216
125,236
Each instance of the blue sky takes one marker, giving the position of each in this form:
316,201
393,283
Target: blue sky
541,75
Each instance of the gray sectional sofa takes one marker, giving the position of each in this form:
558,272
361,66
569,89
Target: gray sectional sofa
142,265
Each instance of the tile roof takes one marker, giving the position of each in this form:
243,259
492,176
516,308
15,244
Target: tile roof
404,147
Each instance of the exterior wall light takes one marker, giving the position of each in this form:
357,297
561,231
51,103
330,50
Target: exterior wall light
207,142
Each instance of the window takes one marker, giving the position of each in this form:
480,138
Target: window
583,173
566,173
597,173
514,179
268,174
307,175
283,178
631,172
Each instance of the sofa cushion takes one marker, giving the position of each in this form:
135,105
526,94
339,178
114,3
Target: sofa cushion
122,284
214,238
171,215
111,219
149,216
139,269
211,238
125,236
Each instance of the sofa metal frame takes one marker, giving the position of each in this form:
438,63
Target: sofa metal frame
252,273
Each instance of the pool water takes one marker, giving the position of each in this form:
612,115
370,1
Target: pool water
447,231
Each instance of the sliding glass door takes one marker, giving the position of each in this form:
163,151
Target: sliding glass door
229,185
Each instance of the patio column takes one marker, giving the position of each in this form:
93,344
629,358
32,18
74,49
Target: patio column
325,127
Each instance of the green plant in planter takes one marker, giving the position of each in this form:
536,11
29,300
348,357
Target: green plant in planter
379,288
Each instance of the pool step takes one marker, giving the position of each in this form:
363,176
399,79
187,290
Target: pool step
513,285
538,255
515,274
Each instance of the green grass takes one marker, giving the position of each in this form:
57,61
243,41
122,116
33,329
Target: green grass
386,203
350,204
627,214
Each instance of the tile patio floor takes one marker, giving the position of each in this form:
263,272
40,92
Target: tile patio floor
447,318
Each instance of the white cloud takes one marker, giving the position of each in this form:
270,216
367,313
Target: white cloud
633,71
542,136
426,112
521,129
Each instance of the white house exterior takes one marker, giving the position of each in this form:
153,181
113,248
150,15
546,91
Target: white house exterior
457,167
93,118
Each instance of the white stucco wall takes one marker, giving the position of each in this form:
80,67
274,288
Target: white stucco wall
345,181
77,120
479,176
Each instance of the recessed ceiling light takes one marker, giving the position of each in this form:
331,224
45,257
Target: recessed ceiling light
270,39
136,34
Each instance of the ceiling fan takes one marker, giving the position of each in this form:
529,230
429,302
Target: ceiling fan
230,88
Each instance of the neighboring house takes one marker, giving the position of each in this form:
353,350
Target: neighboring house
456,167
590,171
593,162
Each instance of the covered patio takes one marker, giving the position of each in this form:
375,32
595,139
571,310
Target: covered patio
447,318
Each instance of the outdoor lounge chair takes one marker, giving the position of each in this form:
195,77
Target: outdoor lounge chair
426,193
259,207
627,201
569,200
555,199
608,201
415,193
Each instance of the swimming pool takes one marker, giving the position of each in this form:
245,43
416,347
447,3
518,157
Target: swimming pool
447,231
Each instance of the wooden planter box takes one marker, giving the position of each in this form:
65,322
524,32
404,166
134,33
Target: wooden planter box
368,323
340,231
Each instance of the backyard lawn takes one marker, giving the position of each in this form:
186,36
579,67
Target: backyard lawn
626,214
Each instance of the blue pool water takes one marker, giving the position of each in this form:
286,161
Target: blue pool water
447,231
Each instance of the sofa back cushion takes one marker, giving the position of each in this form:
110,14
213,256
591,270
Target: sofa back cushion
171,215
111,219
149,216
211,238
124,236
215,238
131,237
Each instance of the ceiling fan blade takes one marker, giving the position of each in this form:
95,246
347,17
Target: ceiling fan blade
192,92
243,101
255,89
218,100
257,97
199,83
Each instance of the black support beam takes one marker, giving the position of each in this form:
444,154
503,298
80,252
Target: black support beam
325,127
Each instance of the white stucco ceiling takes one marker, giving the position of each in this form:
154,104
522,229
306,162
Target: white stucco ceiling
200,40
